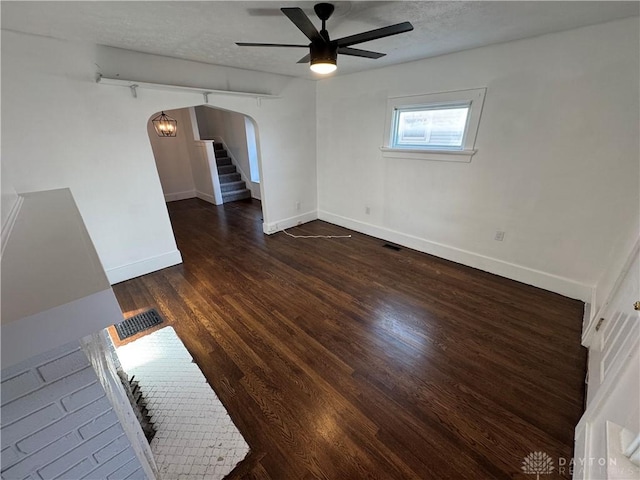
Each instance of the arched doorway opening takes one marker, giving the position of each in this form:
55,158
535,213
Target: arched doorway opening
215,156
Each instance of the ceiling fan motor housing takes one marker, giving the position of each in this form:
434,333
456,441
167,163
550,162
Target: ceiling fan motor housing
323,53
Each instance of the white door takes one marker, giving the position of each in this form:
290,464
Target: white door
608,433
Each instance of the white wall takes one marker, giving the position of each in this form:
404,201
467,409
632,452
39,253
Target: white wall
182,161
68,131
172,157
557,164
230,126
286,123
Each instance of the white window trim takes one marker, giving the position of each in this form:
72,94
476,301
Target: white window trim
475,97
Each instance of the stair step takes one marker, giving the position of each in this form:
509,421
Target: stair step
226,169
229,177
236,195
220,152
232,186
223,161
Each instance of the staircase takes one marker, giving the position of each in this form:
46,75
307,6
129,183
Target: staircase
231,184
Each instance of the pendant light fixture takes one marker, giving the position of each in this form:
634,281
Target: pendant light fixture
165,125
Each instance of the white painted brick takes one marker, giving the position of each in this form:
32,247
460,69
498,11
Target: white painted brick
19,385
67,424
123,472
137,475
79,470
46,402
33,462
36,400
82,397
98,424
84,449
110,466
22,428
62,367
112,449
39,359
9,457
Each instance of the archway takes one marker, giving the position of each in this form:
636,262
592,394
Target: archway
215,156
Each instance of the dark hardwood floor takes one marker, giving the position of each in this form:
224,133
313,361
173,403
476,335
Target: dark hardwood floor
341,359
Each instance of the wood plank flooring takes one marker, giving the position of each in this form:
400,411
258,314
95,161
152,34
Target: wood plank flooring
342,359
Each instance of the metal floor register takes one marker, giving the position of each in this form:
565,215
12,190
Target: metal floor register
138,323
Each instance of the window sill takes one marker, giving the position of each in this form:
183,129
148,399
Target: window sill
433,155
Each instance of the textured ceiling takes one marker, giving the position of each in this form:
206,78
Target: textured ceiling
206,31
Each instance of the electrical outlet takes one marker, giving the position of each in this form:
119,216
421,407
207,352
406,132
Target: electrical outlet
298,206
499,236
367,210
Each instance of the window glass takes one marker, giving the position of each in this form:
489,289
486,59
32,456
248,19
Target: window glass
436,127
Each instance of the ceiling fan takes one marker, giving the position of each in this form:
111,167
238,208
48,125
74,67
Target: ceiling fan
323,52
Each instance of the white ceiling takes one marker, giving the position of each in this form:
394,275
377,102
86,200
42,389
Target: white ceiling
206,31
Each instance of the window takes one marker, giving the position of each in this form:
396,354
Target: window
440,126
252,150
430,127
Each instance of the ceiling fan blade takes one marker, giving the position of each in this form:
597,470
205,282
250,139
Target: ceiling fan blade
374,34
250,44
305,59
300,19
356,52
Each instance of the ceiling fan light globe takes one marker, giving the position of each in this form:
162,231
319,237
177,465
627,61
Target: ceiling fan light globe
323,68
323,57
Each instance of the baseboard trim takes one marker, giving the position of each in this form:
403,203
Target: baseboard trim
537,278
274,227
142,267
206,197
173,197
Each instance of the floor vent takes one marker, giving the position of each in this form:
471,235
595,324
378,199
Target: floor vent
390,246
138,323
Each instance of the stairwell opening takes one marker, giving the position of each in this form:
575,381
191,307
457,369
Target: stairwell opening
215,156
235,140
